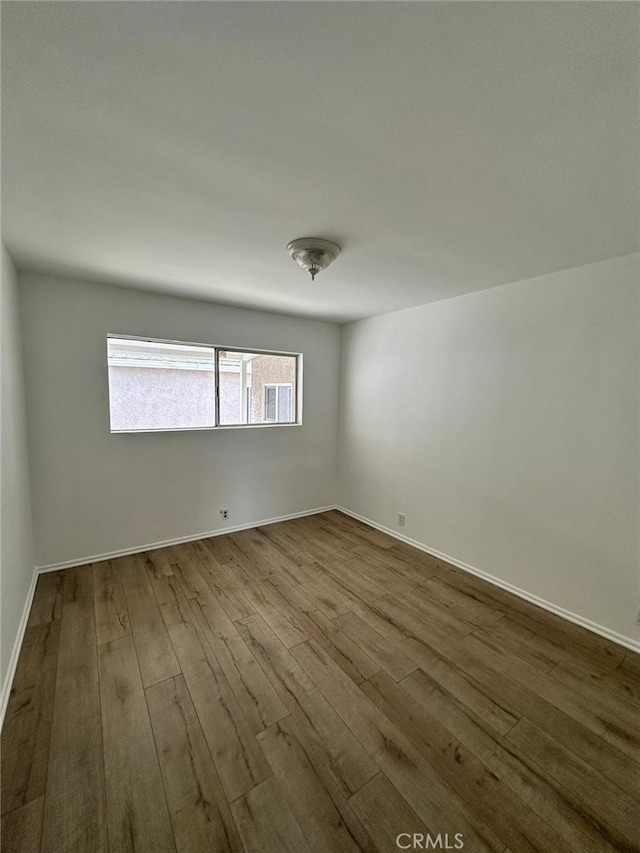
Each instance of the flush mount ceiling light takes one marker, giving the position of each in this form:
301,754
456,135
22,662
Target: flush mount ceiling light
313,254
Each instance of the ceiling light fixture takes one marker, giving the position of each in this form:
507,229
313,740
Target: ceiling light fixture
313,254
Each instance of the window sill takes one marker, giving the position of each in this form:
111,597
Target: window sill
200,429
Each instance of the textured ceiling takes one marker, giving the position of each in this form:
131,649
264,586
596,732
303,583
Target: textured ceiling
448,147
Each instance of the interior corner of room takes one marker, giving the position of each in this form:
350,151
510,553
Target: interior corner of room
502,424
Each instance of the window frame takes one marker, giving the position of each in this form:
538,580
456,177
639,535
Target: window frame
296,398
277,386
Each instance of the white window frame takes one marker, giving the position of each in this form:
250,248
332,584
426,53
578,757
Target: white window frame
218,349
277,386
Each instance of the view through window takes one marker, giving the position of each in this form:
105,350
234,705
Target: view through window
246,383
164,385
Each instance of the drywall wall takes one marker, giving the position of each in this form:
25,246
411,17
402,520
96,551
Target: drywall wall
16,548
95,492
504,424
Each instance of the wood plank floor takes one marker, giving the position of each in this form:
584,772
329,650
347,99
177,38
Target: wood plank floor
316,686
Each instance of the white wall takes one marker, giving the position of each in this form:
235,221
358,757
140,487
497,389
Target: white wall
505,425
16,549
95,493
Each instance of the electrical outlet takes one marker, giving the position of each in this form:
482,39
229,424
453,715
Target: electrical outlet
224,513
400,519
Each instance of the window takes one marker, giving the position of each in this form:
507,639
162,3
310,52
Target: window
171,385
277,402
244,378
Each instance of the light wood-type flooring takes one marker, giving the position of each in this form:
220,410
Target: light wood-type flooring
312,685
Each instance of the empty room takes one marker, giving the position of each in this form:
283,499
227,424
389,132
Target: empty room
320,427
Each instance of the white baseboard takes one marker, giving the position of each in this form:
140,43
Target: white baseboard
153,546
620,639
15,651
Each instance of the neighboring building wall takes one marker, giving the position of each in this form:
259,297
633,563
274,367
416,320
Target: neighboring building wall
146,398
268,369
153,398
229,398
